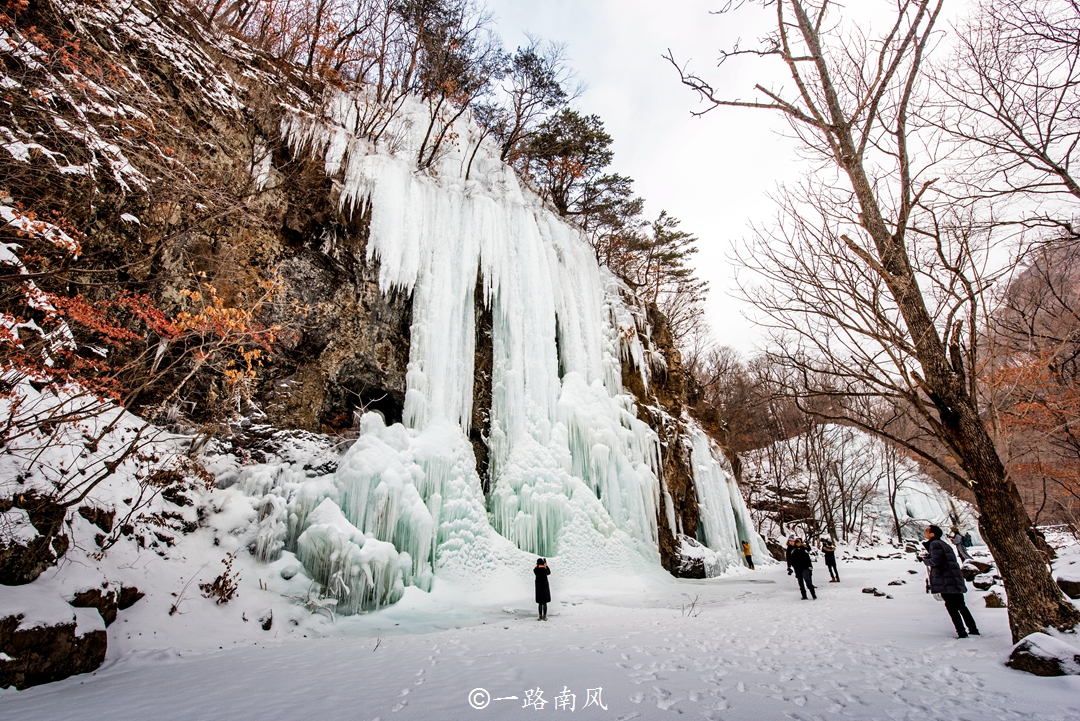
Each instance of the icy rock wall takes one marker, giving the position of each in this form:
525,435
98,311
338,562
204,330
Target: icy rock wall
573,470
725,519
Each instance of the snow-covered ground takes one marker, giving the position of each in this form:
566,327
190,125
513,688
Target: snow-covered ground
749,649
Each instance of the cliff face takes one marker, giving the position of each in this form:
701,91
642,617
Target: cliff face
166,126
665,406
204,170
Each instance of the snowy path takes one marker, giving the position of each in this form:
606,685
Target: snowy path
755,652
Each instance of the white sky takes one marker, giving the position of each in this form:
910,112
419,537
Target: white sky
715,172
712,172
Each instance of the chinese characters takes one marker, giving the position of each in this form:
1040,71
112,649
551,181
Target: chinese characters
533,698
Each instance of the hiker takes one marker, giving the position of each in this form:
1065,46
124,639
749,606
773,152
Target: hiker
749,555
787,553
801,563
829,549
543,592
946,580
957,539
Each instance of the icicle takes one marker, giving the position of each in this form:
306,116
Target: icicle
573,471
724,517
361,573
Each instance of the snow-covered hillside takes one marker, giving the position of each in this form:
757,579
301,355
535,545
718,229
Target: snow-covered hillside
853,485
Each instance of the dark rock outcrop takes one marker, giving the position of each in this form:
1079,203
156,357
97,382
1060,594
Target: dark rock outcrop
105,600
775,549
129,596
100,517
25,557
1069,588
482,369
662,406
47,653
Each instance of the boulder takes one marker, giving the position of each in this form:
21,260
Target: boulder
43,639
995,600
104,599
1069,588
100,517
980,565
30,539
1067,571
869,590
983,581
129,595
1044,655
970,570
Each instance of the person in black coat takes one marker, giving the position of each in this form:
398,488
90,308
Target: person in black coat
946,579
543,592
787,553
802,565
829,549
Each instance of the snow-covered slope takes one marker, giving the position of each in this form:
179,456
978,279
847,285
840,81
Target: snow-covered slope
860,481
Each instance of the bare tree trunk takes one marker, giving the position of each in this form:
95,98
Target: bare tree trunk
843,114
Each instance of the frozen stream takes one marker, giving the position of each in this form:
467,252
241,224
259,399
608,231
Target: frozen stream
755,652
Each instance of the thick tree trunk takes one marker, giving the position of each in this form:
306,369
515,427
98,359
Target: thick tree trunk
1035,601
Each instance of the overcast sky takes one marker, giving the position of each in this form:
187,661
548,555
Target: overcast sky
712,172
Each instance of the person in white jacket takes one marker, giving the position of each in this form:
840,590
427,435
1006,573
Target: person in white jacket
957,539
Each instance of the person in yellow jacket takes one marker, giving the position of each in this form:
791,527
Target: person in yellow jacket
749,555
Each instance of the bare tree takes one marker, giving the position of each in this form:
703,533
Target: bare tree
895,475
875,285
1011,96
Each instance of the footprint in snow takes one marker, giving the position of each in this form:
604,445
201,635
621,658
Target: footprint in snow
664,698
399,706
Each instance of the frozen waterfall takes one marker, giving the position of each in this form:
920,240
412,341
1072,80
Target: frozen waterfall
573,469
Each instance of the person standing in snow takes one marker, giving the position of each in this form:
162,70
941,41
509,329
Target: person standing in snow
749,555
802,565
787,553
543,592
829,549
946,579
957,539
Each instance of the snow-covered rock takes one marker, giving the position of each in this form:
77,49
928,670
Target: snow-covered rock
1067,570
43,639
1044,655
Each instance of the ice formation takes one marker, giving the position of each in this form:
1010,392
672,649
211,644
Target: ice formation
574,471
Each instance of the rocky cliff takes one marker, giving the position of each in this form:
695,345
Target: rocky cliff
510,396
